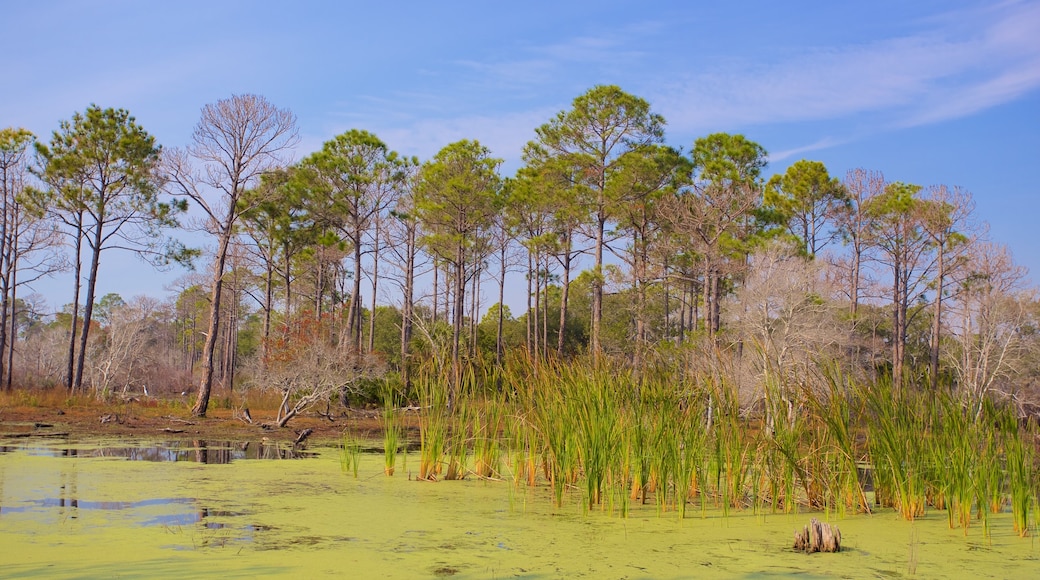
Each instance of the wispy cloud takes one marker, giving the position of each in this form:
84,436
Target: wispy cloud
936,75
549,63
505,135
824,143
409,121
958,64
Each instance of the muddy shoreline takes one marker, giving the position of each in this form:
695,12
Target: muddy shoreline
152,422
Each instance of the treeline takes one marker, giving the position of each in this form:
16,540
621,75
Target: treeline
357,263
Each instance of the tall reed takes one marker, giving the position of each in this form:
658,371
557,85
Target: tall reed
896,436
672,437
432,391
837,415
487,429
783,458
1019,462
734,446
956,449
350,455
597,412
392,429
691,453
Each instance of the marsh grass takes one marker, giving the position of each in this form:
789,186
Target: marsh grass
597,432
1019,468
956,450
734,446
523,446
393,431
596,414
350,455
487,433
833,415
783,463
897,433
431,387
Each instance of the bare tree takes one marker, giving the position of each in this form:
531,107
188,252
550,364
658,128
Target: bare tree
28,241
780,310
235,141
990,313
127,347
308,367
32,252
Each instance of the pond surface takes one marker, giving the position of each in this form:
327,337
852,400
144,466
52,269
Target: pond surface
92,512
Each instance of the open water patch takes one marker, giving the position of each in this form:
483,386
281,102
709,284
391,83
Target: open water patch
196,451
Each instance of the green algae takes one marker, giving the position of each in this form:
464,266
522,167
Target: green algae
89,516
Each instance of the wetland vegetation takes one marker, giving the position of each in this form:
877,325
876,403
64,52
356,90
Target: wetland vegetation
739,354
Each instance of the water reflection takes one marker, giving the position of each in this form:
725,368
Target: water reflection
199,451
167,512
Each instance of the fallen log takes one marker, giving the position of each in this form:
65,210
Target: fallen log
302,436
817,537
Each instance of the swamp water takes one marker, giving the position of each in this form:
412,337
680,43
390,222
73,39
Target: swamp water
92,510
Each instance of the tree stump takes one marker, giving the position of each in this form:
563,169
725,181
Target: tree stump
818,537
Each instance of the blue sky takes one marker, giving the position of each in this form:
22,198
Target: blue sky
928,92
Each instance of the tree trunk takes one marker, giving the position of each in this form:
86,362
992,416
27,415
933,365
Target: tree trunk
375,288
710,288
435,297
88,308
355,317
597,286
70,370
937,320
319,284
638,277
681,331
457,315
564,292
545,309
501,306
14,326
474,306
231,338
287,276
530,279
7,265
854,289
667,305
695,310
447,296
408,309
536,313
268,306
206,383
898,332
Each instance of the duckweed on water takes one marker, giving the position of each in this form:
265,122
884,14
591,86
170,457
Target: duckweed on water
88,516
